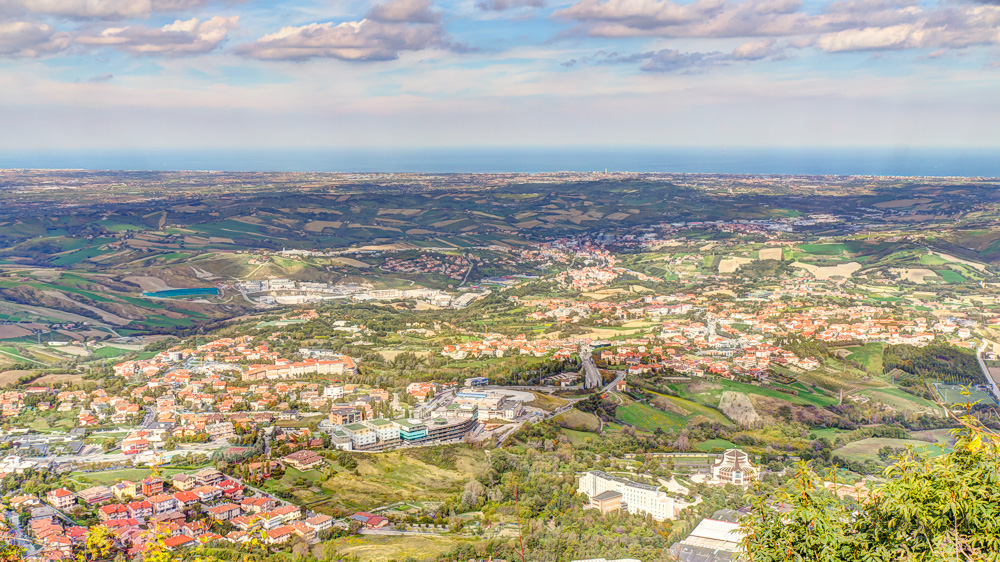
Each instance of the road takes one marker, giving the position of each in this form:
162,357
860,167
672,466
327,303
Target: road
17,535
466,278
60,514
513,428
592,378
986,371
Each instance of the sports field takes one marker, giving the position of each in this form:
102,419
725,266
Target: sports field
955,394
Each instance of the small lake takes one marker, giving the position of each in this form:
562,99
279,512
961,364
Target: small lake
202,291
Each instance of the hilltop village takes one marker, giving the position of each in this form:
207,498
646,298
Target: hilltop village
547,367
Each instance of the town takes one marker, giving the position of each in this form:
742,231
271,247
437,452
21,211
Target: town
629,370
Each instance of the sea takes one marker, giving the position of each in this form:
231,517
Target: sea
968,162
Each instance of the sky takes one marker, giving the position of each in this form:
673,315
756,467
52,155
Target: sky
167,74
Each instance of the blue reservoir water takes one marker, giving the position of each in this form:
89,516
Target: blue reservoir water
202,291
976,162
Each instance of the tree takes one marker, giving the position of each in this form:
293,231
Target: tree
942,509
472,494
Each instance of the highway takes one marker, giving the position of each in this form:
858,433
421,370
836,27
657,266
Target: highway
592,377
986,371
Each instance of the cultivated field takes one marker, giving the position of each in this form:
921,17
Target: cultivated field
371,548
828,271
867,449
915,275
729,265
70,377
8,378
770,254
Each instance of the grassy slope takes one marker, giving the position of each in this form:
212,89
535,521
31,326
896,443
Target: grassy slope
867,449
383,549
385,478
869,355
649,418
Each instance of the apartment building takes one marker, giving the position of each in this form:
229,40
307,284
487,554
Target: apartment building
362,436
386,431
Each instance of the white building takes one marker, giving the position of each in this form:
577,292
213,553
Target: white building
386,431
636,498
361,435
492,405
710,541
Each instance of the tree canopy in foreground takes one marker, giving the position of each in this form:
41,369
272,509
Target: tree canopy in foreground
940,509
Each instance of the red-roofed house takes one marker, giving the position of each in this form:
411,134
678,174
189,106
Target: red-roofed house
185,499
173,543
280,534
163,503
140,509
113,511
224,512
61,498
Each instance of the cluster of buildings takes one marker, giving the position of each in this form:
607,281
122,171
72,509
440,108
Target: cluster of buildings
445,424
450,415
454,267
595,277
733,337
502,346
180,510
288,292
283,369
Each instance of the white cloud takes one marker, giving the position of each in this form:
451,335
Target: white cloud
756,50
97,9
404,11
501,5
954,28
183,37
869,38
28,39
387,30
849,25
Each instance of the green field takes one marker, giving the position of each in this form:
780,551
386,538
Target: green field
418,474
932,259
108,351
160,321
867,449
714,444
950,276
713,396
578,438
649,418
695,409
115,476
577,420
869,356
12,352
940,436
112,226
829,433
825,249
78,256
900,400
